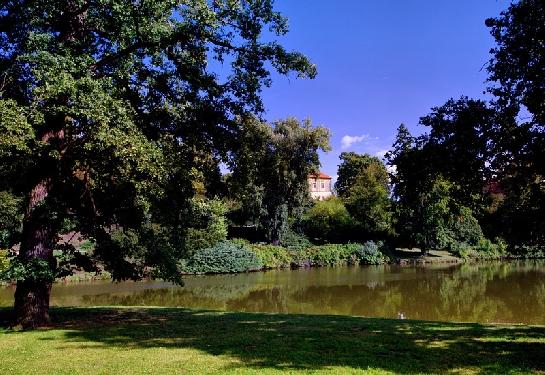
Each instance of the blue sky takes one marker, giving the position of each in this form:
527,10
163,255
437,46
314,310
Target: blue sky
380,63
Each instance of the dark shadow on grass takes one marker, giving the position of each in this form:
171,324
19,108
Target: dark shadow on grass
311,342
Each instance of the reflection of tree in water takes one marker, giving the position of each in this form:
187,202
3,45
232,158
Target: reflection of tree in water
206,297
462,296
510,292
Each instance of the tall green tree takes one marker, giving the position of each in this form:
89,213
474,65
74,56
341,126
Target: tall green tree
517,80
98,99
350,167
439,178
363,185
271,168
459,147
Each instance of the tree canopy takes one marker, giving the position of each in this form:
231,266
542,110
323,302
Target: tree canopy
270,171
101,101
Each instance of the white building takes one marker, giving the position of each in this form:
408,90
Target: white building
320,186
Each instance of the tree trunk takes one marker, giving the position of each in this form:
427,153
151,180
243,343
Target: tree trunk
38,238
32,303
32,295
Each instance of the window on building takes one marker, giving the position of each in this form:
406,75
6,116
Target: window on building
314,185
323,185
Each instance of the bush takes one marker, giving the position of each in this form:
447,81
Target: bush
4,261
371,253
224,257
484,249
328,221
333,254
462,249
272,256
295,241
527,251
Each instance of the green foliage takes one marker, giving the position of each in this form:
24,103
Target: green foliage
368,201
461,227
465,227
106,116
352,164
5,261
462,249
224,257
518,84
208,224
34,269
439,173
364,187
129,252
516,65
240,241
328,221
485,248
295,241
272,256
525,251
332,254
371,253
270,171
11,216
482,249
87,246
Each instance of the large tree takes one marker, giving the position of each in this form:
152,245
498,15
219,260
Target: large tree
271,168
364,187
517,80
98,102
440,177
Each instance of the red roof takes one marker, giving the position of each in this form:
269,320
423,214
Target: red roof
321,176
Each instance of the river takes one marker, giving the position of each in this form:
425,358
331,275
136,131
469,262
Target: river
500,292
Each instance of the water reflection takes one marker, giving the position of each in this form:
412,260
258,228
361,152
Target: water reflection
511,292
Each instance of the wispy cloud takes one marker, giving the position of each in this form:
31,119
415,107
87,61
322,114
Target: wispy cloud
381,153
349,140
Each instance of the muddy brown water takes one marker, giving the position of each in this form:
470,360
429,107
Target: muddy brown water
506,292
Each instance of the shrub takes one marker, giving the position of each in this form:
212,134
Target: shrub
486,249
333,254
240,241
272,256
462,249
527,251
466,227
299,256
224,257
328,221
483,249
4,261
371,253
295,241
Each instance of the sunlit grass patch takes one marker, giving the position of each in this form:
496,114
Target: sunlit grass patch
170,341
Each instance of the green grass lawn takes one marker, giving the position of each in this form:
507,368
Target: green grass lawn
168,341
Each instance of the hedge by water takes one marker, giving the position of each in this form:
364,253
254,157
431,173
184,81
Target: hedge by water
240,256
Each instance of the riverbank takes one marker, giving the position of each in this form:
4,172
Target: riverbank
167,341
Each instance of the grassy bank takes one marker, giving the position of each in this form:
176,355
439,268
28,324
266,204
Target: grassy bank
166,341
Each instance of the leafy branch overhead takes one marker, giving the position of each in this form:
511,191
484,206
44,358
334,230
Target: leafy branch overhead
107,106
